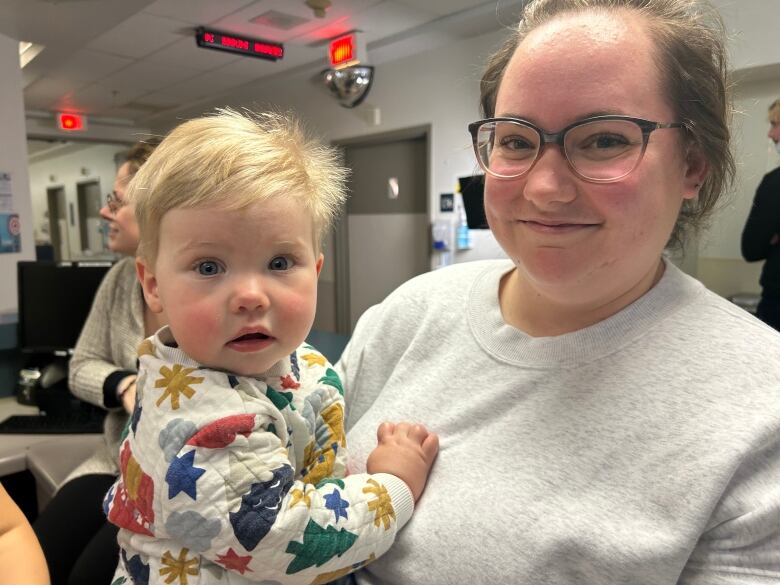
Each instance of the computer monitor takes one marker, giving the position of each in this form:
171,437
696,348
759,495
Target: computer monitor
472,189
54,301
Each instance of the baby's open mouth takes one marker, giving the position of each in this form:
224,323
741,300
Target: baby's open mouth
250,337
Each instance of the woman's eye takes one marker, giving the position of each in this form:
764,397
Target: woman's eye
280,263
606,141
515,143
208,268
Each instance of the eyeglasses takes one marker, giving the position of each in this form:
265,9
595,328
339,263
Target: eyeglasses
600,149
114,203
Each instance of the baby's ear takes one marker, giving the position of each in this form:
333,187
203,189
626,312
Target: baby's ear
320,260
149,284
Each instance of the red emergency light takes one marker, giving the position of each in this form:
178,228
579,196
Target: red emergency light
343,51
71,122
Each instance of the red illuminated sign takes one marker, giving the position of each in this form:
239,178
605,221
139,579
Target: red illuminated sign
71,122
342,50
211,39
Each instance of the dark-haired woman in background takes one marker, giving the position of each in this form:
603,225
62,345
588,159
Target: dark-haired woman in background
761,236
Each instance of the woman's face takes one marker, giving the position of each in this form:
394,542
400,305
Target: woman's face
774,126
576,242
122,228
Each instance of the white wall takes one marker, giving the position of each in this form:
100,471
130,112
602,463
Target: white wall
67,171
13,159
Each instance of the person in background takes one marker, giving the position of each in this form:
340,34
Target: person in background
761,236
21,558
79,545
605,419
235,463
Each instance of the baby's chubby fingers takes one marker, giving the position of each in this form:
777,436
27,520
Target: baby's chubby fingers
430,447
385,431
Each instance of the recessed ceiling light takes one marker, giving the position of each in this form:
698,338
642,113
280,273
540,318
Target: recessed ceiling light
28,52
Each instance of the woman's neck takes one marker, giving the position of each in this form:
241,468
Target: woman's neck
526,308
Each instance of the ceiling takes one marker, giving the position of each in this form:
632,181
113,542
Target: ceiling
136,60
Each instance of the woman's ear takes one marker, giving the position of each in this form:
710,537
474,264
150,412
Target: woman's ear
696,170
149,284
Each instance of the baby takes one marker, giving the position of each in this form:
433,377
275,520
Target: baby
234,464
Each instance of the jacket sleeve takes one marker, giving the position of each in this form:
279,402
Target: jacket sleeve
225,486
763,221
93,375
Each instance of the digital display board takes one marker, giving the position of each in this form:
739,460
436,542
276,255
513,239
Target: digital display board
212,39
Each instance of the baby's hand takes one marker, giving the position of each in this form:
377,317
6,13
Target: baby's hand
406,451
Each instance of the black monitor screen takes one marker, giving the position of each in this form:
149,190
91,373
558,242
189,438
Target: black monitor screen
54,301
472,189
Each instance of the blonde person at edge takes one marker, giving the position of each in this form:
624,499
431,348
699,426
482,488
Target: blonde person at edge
605,419
21,557
234,465
79,545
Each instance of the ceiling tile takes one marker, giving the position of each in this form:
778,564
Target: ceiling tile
196,11
146,77
98,97
140,35
444,7
186,52
338,18
88,66
196,88
46,91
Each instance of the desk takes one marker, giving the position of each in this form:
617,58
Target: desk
50,458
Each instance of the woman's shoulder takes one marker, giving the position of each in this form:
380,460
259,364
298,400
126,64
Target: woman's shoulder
121,275
436,297
717,329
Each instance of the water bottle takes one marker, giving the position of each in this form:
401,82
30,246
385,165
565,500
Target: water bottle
462,234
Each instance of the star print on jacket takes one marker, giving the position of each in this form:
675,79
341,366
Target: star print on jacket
237,479
182,476
176,382
232,561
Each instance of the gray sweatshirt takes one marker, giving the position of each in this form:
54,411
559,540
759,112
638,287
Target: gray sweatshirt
644,449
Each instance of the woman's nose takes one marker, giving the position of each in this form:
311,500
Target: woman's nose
550,181
105,213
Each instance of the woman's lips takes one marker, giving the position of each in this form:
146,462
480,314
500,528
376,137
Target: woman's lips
544,227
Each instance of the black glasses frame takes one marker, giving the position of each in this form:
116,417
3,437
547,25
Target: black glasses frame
647,127
114,203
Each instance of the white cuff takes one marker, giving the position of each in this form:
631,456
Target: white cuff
400,495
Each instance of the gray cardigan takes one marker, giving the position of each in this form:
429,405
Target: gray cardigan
105,354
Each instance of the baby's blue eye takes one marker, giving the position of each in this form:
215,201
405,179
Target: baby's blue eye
280,263
208,268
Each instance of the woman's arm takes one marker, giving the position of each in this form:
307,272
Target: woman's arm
94,375
21,557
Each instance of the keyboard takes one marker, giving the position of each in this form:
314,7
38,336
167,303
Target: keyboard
80,421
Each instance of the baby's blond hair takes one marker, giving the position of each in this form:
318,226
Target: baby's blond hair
234,159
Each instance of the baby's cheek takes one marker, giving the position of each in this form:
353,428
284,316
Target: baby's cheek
197,327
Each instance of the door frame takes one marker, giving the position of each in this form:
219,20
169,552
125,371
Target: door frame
341,230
